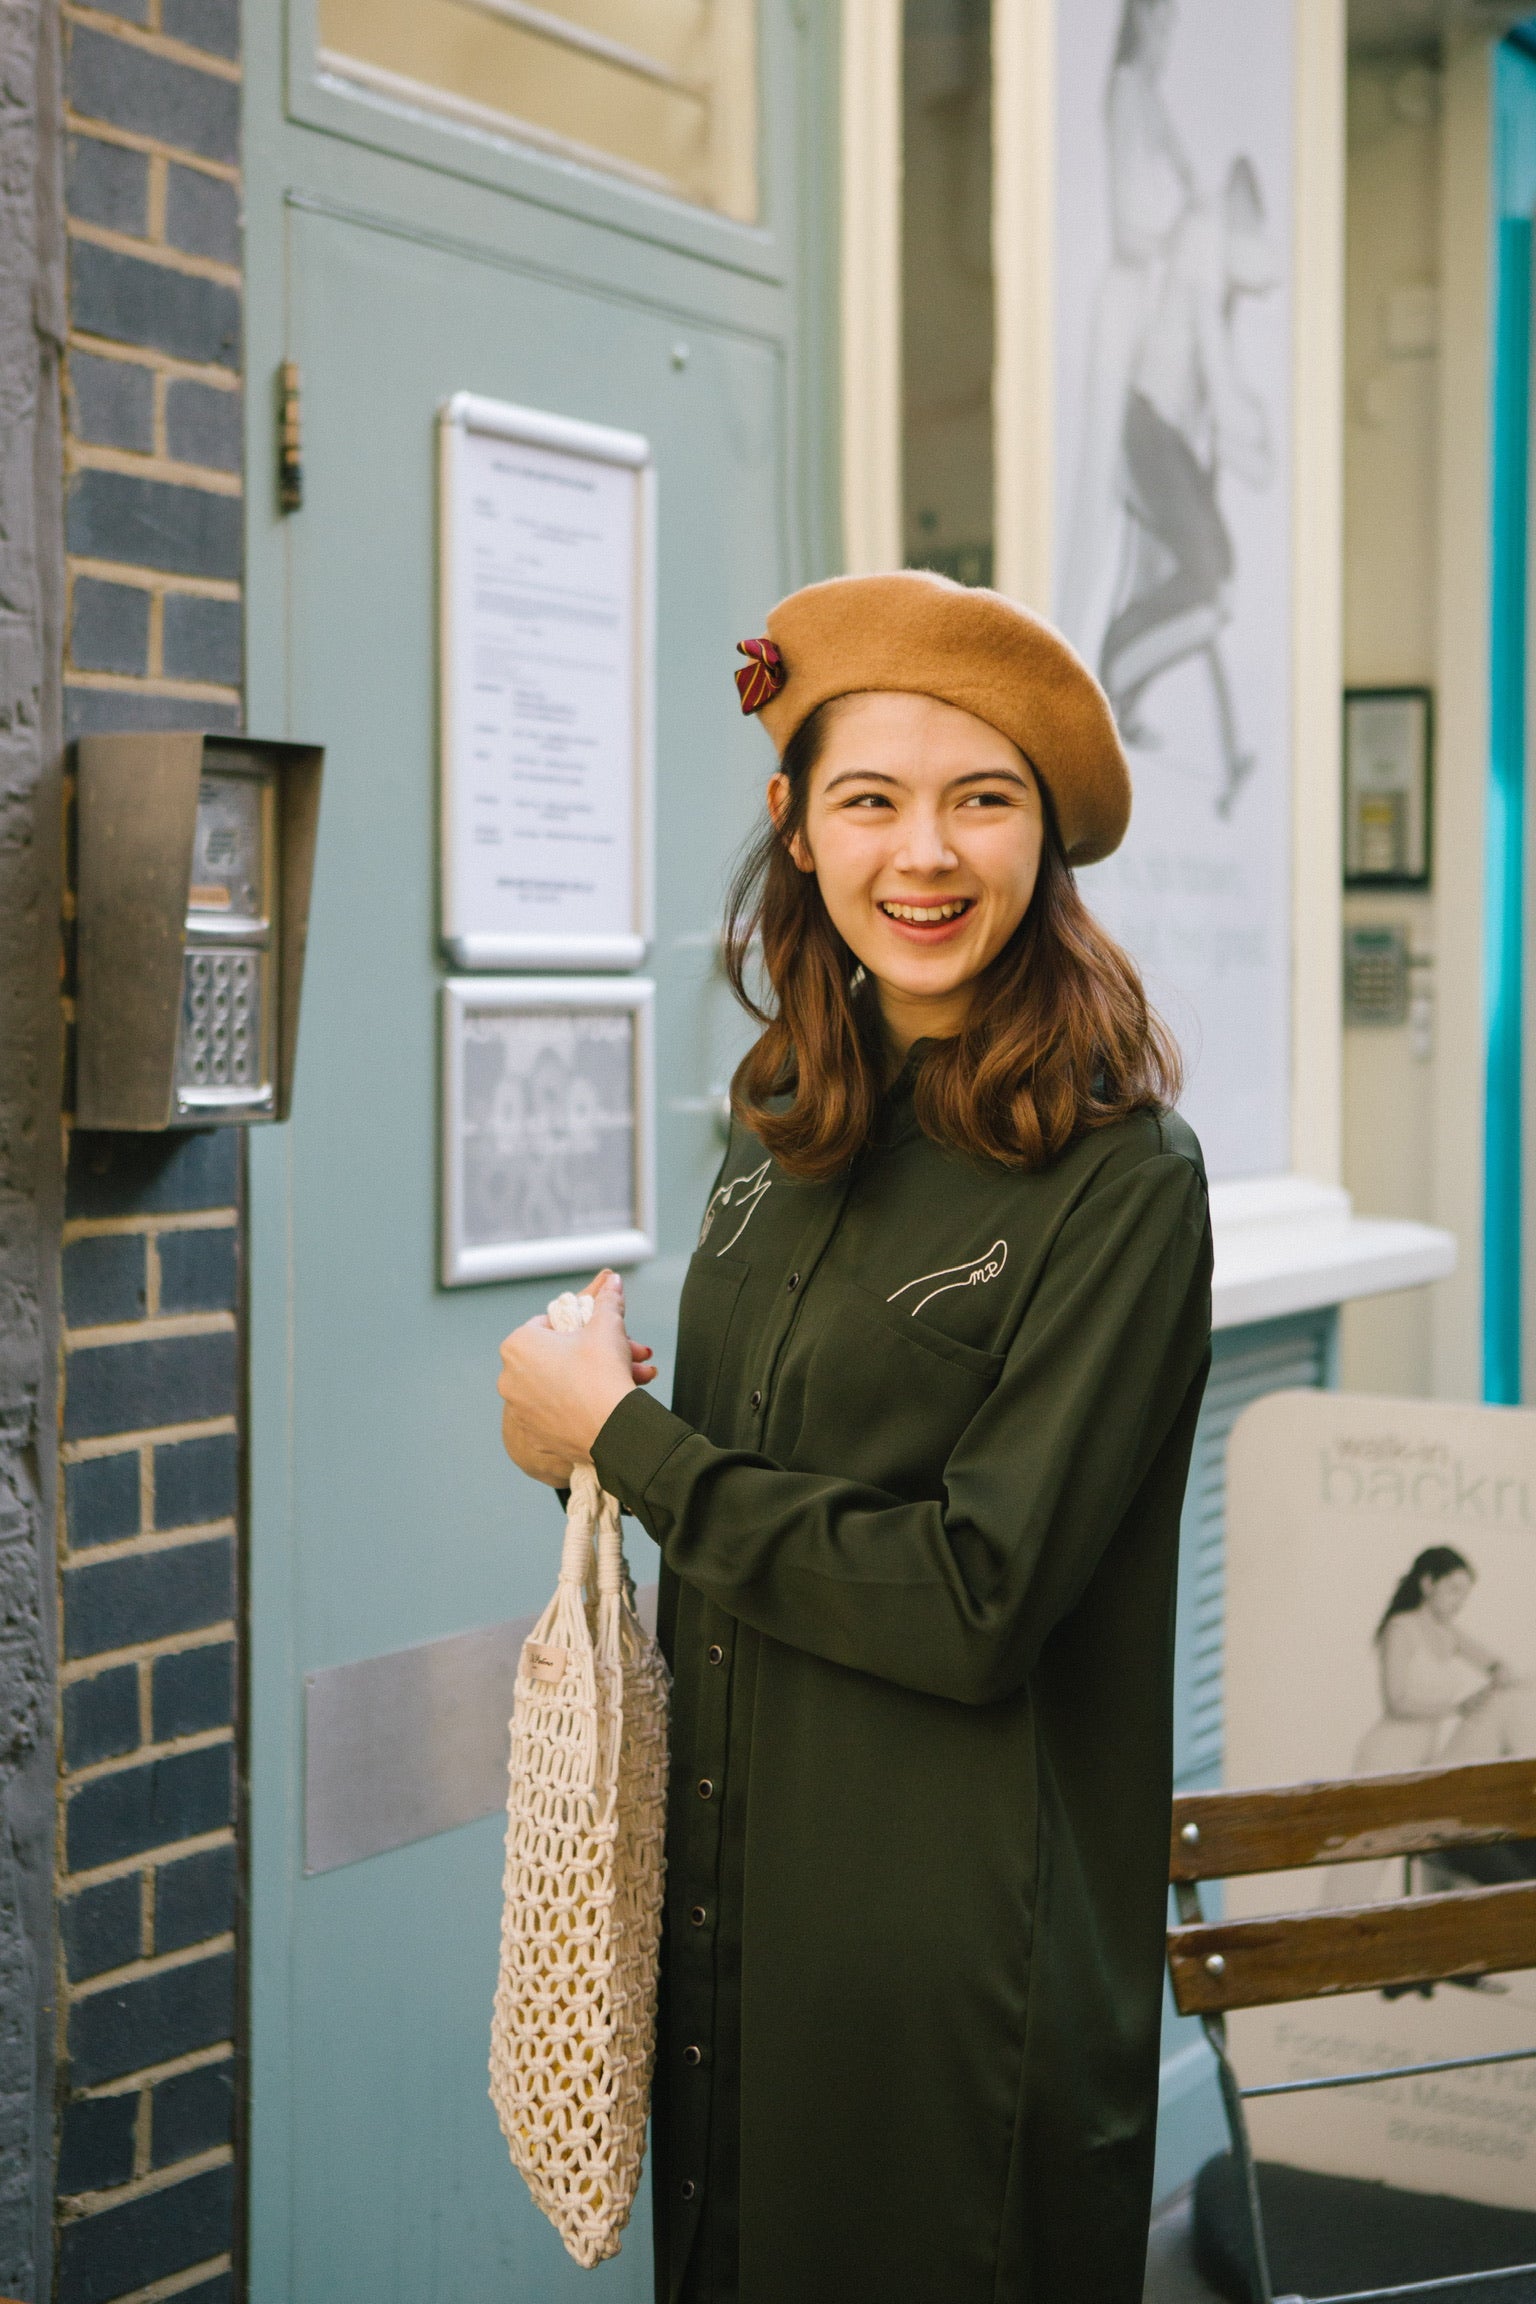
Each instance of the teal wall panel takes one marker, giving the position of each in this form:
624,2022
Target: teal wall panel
383,1511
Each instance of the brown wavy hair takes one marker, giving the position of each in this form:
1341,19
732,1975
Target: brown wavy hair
1060,1038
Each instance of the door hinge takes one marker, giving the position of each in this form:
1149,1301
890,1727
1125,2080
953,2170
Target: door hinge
290,458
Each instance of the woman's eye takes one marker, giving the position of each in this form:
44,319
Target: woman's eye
869,800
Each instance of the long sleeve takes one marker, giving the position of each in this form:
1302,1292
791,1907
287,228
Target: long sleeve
955,1596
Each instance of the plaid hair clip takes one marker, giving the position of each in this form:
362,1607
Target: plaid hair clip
761,676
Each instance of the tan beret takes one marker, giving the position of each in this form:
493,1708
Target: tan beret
924,635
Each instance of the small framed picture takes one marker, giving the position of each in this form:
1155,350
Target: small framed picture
548,1152
1388,766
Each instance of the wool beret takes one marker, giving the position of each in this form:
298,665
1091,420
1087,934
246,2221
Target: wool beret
925,635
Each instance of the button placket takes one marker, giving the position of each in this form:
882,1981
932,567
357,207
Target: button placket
698,1795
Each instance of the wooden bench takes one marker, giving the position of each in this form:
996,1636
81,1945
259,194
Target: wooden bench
1410,1940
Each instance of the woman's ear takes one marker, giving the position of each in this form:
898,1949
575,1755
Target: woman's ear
778,809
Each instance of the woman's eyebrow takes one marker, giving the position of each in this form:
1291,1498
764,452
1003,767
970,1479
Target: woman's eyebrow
988,776
865,775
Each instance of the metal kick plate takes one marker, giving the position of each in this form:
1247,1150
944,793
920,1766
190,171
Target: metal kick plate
399,1747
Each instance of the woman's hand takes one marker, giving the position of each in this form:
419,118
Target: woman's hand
559,1391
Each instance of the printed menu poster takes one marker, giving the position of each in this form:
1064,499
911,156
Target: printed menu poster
543,705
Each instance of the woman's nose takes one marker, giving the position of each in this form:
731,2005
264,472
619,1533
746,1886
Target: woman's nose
925,847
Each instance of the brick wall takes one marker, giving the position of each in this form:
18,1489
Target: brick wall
149,1871
153,527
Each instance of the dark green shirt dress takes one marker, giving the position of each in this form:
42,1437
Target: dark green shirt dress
918,1505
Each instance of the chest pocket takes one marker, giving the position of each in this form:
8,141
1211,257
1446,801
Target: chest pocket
866,1393
710,1297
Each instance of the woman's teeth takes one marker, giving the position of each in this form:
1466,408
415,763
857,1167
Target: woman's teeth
926,915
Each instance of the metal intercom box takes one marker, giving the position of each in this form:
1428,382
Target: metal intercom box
196,855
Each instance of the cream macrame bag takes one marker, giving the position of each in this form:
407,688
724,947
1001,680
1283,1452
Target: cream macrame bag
573,2032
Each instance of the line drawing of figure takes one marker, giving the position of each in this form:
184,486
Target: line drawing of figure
1445,1698
1151,188
1190,417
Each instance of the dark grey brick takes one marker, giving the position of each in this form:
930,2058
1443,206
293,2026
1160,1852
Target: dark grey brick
202,214
210,24
109,627
104,1278
199,1271
106,184
176,1798
197,1481
195,1899
102,1927
203,639
193,2113
148,1596
176,103
96,2143
146,2239
193,1690
203,425
152,1175
163,1380
154,524
101,1716
131,300
101,1499
88,711
114,401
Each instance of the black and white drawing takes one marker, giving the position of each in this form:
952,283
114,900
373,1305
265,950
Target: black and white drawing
1172,553
546,1126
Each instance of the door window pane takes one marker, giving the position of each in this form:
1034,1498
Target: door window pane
662,90
947,287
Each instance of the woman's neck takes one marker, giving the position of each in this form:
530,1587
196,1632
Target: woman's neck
904,1022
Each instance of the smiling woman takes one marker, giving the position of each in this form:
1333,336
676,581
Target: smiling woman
940,1353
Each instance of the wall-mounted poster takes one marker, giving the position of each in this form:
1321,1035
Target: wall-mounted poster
547,550
1173,261
548,1150
1381,1616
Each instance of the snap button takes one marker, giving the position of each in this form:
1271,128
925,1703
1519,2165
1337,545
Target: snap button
698,1916
757,1400
693,2055
717,1654
706,1788
688,2188
794,1282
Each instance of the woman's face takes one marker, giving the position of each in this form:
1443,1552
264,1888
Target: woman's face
924,827
1446,1596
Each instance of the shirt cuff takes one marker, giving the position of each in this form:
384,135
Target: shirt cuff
633,1445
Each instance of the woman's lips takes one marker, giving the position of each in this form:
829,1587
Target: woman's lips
934,922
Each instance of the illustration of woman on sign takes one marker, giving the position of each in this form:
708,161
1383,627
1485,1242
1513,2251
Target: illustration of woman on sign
1445,1699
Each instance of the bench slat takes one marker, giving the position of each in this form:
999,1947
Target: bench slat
1357,1948
1352,1819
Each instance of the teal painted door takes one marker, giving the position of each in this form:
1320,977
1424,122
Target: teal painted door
399,262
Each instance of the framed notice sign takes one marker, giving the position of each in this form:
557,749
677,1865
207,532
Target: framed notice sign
547,549
1387,763
548,1156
